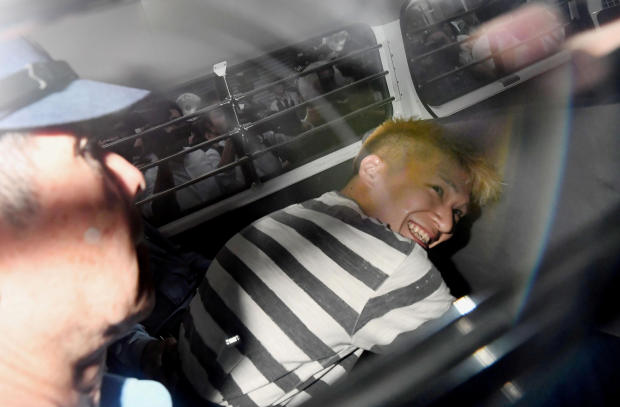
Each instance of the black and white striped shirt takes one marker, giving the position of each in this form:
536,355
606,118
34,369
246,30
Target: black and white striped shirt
290,303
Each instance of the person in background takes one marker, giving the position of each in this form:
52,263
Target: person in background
316,83
188,103
283,98
152,146
204,160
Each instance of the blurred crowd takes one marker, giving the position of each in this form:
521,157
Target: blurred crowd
189,145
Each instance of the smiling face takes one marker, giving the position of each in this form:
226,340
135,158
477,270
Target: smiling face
422,201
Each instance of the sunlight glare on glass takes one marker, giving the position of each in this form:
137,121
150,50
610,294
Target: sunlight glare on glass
464,305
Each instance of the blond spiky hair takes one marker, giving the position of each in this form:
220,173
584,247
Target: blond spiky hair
397,141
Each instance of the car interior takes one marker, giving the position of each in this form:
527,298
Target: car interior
280,108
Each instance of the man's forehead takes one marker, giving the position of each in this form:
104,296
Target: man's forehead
436,163
448,180
456,177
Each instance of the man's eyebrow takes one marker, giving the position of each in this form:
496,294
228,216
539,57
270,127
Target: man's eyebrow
448,181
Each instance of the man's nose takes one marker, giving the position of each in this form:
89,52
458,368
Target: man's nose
444,219
129,177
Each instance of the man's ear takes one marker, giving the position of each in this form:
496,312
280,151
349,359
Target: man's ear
371,170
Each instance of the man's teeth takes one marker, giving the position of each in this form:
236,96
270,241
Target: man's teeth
419,233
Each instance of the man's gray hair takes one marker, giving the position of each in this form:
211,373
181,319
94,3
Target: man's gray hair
18,197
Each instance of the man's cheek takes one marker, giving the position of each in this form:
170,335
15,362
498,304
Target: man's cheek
146,285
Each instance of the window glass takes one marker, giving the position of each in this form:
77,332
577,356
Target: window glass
265,117
454,47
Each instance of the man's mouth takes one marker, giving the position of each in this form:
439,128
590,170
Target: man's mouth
418,233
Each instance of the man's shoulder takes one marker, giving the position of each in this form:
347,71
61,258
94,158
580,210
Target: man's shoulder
338,215
331,204
330,198
326,205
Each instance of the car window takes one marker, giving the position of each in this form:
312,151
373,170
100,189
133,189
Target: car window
452,49
215,136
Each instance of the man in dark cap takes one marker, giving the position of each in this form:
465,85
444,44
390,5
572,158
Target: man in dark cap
70,276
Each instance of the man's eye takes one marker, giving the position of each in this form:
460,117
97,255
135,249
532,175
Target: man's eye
438,189
458,214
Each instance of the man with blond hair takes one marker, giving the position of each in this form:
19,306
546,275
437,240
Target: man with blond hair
291,302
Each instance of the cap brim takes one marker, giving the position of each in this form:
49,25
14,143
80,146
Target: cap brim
81,100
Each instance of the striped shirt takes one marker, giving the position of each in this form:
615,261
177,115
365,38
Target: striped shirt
290,303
